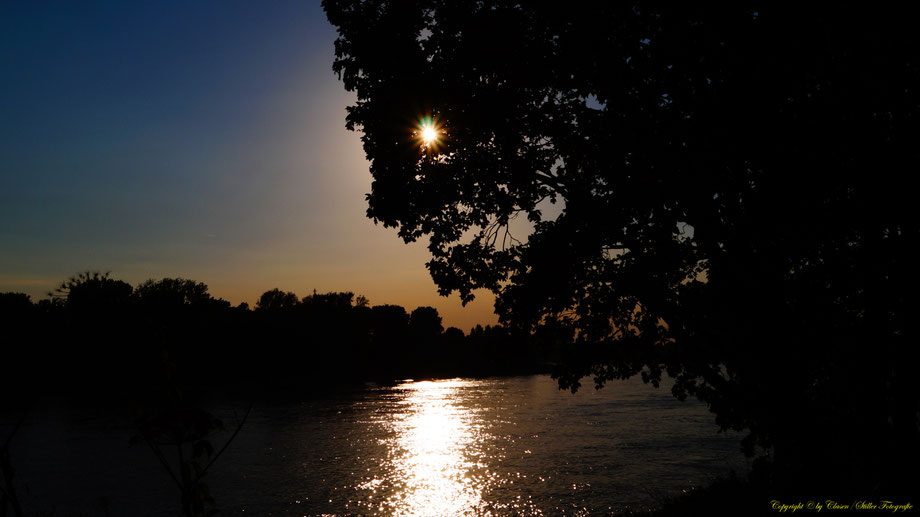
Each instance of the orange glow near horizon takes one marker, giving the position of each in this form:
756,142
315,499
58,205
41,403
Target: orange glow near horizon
410,288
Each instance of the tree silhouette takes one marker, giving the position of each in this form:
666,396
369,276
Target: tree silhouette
93,292
172,292
277,299
730,185
425,321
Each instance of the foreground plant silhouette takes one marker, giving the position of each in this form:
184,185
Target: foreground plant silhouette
187,431
9,501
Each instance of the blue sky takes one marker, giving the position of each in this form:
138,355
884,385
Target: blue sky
197,140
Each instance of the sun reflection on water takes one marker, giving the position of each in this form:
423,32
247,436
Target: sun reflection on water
429,454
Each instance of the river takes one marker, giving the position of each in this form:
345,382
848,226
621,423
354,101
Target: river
496,446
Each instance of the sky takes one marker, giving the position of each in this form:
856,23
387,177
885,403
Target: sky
201,140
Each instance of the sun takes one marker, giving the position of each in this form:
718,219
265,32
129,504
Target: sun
429,134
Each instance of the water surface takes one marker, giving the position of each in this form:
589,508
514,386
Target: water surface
495,446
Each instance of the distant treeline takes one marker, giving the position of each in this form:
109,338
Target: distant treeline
99,335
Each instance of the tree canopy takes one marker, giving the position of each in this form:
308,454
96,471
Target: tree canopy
732,188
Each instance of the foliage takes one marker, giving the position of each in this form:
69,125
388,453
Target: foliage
425,320
733,208
170,338
277,299
188,431
17,302
172,292
93,291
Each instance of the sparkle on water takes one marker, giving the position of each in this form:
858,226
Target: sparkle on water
430,450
